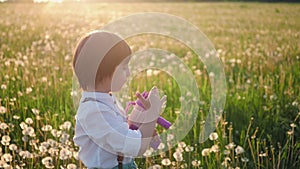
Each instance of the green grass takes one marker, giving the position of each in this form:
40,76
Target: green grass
257,42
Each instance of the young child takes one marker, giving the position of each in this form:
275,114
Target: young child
102,129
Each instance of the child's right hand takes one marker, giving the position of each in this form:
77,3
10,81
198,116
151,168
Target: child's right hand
153,104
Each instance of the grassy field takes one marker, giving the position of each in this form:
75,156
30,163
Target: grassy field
259,44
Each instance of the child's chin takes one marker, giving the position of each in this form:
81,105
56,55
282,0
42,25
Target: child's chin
116,89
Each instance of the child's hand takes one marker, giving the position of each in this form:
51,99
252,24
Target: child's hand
155,133
153,104
155,140
152,99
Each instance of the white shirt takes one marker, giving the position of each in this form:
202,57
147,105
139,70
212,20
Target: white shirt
102,132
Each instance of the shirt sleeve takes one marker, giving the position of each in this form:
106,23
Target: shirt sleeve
109,131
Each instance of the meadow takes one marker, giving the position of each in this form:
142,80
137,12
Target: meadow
258,43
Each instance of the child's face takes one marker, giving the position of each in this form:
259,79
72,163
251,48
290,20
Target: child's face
120,75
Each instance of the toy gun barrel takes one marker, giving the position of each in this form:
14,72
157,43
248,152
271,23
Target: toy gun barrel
163,122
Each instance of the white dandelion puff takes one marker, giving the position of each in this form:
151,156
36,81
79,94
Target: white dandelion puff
239,150
2,110
29,120
6,157
178,156
5,140
205,152
213,136
166,162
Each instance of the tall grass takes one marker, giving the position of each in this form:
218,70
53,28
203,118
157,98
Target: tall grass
258,44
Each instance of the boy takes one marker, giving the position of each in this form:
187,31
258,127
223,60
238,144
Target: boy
102,133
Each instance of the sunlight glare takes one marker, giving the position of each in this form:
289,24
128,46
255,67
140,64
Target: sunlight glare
45,1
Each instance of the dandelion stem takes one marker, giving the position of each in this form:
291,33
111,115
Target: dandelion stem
251,149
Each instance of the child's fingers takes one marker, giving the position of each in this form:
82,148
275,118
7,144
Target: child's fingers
154,133
142,99
163,99
154,90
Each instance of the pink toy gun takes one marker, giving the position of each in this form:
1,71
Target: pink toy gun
161,121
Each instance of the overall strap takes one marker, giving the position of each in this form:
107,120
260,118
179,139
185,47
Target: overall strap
120,159
120,156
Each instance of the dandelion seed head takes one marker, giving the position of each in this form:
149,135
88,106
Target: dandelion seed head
293,125
205,152
73,93
55,133
245,159
5,140
295,103
198,72
6,157
44,79
196,163
239,150
64,137
170,137
47,128
48,163
3,126
166,162
52,142
230,146
75,155
28,90
215,148
161,146
262,155
2,110
43,149
65,154
29,131
226,152
29,120
25,138
23,125
181,144
16,117
156,72
71,166
149,72
25,154
35,111
54,152
189,148
66,125
156,166
13,147
3,87
37,117
178,156
148,153
183,165
46,160
213,136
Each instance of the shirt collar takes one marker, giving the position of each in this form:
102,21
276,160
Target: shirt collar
104,97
